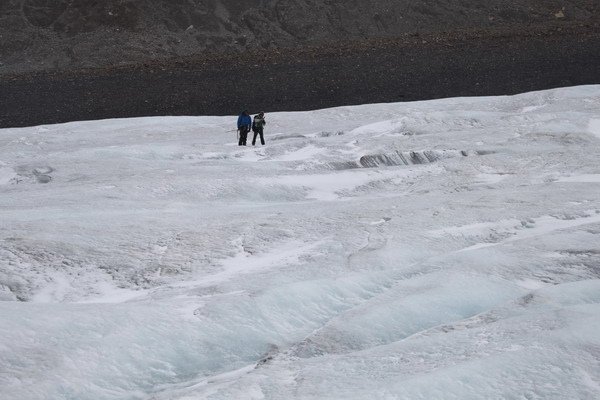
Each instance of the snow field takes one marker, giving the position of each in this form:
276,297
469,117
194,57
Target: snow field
445,249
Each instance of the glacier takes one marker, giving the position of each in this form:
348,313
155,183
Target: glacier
444,249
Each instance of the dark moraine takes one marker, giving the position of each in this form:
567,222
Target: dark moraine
381,72
79,60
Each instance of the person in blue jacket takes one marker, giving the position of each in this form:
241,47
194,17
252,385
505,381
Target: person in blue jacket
244,123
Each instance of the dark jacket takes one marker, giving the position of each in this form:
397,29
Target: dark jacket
259,123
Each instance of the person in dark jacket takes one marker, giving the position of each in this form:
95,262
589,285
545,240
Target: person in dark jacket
244,122
258,127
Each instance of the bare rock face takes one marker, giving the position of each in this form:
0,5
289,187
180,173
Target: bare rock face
65,34
72,17
43,13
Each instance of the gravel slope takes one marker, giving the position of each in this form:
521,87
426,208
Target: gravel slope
80,59
381,71
46,34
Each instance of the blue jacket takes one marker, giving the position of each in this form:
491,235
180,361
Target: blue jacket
244,120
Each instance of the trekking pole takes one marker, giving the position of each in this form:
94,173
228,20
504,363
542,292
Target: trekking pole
235,130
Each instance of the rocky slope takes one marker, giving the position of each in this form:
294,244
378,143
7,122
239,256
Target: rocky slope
66,34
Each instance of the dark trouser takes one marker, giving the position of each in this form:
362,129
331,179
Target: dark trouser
243,135
258,131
